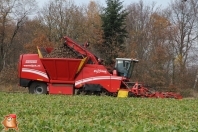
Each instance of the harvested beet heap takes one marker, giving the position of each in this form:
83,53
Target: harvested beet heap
62,51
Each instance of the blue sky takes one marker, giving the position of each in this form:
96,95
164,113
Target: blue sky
163,3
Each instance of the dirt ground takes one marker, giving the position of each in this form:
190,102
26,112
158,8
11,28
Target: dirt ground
12,88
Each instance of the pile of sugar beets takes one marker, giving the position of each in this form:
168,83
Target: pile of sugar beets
62,51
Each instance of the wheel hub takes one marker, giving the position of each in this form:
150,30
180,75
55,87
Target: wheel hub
39,90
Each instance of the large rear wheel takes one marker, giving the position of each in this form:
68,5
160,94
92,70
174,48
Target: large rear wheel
38,88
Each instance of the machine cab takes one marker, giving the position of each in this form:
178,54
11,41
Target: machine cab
124,66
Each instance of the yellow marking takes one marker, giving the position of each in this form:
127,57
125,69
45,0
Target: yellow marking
39,53
40,79
81,64
122,93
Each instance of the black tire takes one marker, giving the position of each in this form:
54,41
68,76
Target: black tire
38,88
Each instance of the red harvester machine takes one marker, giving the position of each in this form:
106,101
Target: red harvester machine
84,75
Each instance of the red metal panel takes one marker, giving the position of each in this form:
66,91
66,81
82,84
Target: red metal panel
60,68
32,68
61,89
98,74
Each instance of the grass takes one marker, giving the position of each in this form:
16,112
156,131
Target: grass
62,113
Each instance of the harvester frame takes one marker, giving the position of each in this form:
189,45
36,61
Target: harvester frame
81,75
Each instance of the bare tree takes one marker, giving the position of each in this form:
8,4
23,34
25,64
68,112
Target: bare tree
149,41
138,44
62,17
13,14
184,20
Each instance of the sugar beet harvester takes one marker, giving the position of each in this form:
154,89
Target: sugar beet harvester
83,74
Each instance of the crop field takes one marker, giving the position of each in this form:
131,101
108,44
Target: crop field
61,113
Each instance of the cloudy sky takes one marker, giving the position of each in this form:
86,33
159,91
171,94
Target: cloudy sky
163,3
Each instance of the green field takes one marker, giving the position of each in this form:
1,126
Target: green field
58,113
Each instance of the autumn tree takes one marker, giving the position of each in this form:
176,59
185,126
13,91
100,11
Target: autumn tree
148,41
159,56
32,34
138,42
62,17
40,41
93,27
81,23
13,15
184,18
114,28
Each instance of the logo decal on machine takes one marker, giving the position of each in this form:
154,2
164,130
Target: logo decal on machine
99,71
43,74
97,78
31,65
31,61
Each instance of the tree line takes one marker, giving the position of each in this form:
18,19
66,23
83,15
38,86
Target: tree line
164,40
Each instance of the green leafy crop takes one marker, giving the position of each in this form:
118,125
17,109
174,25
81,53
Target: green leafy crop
62,113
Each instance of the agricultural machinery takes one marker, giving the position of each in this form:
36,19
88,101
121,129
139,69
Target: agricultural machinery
79,72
